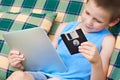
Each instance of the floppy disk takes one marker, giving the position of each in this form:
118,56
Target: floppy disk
73,39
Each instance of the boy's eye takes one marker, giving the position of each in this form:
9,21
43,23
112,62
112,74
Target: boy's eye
94,18
99,21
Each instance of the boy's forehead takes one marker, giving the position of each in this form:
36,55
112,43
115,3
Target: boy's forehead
97,11
91,5
111,7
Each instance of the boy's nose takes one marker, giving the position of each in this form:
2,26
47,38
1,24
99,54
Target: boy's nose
89,21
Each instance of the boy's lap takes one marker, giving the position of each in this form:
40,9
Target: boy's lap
39,76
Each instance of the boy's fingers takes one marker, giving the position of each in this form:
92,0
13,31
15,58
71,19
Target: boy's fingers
12,60
87,44
84,47
14,52
16,56
21,56
85,51
13,56
17,64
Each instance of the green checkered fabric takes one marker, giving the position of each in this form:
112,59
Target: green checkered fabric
115,29
67,6
67,11
114,68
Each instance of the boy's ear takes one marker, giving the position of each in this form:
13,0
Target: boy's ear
114,22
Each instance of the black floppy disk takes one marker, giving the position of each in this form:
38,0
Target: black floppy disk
73,39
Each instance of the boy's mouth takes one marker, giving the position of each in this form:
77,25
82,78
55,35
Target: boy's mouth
88,27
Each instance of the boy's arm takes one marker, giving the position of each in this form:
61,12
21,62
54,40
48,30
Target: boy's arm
99,71
57,34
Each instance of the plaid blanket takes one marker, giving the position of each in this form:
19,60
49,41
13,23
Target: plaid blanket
114,68
67,11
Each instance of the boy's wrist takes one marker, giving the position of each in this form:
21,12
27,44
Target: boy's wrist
97,64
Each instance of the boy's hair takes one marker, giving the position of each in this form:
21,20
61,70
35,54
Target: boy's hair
112,6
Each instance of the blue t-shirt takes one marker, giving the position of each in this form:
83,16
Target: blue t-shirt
79,68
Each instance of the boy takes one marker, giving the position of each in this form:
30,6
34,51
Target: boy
93,60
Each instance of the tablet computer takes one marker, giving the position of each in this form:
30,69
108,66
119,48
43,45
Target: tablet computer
35,44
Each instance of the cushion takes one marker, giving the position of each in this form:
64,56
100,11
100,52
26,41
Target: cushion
115,29
3,66
17,21
68,10
114,68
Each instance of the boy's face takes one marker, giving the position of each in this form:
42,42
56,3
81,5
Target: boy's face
94,18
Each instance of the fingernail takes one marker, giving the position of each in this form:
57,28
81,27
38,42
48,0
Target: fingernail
79,47
21,56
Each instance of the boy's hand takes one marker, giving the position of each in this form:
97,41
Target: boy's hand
15,59
90,51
